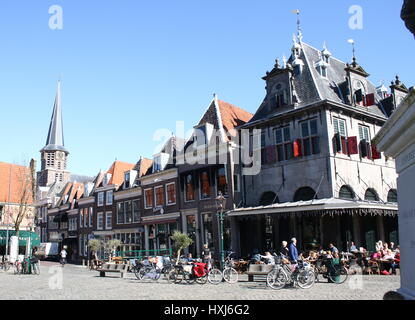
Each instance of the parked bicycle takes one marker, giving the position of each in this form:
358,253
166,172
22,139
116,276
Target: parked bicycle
283,273
5,264
229,274
327,269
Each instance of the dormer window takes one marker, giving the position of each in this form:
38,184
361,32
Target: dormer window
322,71
279,96
126,180
157,164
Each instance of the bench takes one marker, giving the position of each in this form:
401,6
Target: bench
258,270
111,267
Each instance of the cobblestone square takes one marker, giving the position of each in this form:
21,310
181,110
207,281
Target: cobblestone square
79,283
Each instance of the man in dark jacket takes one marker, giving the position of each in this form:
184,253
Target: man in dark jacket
408,14
293,250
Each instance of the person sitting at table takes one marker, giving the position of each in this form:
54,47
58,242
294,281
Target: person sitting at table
353,247
269,259
388,262
379,245
284,251
392,246
377,255
256,257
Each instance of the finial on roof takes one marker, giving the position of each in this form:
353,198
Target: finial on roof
277,63
351,41
299,31
284,60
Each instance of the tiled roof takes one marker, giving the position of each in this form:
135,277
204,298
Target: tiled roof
226,116
142,166
14,177
117,171
232,116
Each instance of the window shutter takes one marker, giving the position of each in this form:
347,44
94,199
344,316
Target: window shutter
359,96
344,145
352,145
297,148
337,143
363,149
370,99
369,150
375,154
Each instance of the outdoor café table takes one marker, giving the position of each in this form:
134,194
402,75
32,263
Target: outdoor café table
385,264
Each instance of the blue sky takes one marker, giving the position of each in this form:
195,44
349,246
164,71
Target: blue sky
130,67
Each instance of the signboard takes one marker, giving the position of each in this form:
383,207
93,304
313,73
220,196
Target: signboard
23,237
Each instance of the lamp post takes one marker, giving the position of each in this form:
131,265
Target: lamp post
220,204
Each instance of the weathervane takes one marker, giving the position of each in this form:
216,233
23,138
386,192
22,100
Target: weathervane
351,41
299,32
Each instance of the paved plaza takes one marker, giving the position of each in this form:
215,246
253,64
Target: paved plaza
79,283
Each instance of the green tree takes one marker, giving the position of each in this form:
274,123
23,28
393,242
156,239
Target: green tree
94,244
181,242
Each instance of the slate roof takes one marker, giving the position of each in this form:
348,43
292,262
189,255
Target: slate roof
312,88
55,140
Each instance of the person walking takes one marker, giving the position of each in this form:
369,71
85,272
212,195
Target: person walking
63,255
293,251
206,254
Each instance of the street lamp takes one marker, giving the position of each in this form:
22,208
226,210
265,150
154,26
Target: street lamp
220,204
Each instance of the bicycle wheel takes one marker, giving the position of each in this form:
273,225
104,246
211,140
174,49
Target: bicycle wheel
202,280
215,276
136,271
171,277
180,276
230,275
277,279
190,279
305,279
338,276
142,273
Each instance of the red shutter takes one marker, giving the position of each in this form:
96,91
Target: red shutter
370,99
375,153
352,145
344,145
297,148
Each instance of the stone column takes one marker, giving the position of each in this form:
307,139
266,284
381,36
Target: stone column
356,230
146,242
380,227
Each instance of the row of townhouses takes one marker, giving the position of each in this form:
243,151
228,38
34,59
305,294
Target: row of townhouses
302,166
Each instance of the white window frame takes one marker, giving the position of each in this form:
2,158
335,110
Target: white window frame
155,197
91,215
339,131
100,201
100,226
107,214
167,197
365,129
110,197
81,218
146,206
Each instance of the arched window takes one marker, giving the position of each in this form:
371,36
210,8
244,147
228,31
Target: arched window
268,198
371,195
346,193
304,194
392,195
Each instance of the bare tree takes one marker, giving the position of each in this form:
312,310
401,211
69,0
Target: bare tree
24,194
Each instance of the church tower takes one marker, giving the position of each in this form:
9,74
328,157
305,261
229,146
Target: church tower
54,156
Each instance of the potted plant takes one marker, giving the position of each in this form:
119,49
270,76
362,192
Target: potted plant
181,242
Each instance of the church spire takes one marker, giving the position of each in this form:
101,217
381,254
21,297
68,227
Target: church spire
55,139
